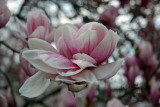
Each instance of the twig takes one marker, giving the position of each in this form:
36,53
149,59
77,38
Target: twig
9,47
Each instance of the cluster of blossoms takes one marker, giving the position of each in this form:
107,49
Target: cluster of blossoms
145,64
76,60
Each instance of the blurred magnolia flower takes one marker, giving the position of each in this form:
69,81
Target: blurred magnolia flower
154,92
67,99
90,95
146,59
115,103
131,70
109,90
77,60
109,16
3,101
4,13
38,26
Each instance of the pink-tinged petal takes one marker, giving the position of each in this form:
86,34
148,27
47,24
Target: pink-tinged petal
5,14
84,57
106,71
85,76
39,32
36,19
105,48
87,41
83,64
68,34
42,59
63,49
115,103
32,56
65,79
57,61
35,85
35,43
50,38
69,72
99,28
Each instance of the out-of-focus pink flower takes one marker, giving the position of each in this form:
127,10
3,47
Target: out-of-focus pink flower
77,60
4,13
145,58
154,92
67,99
109,90
131,70
109,16
38,26
3,101
144,46
90,96
115,103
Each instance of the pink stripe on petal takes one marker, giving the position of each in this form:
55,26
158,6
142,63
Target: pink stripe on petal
57,61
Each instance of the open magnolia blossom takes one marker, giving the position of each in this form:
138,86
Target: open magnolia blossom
76,61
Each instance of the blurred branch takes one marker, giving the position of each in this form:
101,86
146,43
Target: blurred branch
10,85
9,47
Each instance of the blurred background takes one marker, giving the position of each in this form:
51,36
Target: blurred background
137,22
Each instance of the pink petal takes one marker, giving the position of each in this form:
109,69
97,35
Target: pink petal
84,57
99,28
63,49
35,43
106,71
87,41
66,33
105,48
39,32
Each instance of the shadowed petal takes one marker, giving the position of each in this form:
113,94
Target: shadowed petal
35,85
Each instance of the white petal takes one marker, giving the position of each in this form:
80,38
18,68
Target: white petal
83,64
106,71
85,76
65,79
35,85
32,56
35,43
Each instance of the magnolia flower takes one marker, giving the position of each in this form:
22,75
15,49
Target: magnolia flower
4,13
131,70
154,92
77,60
115,103
109,16
90,95
38,26
67,99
